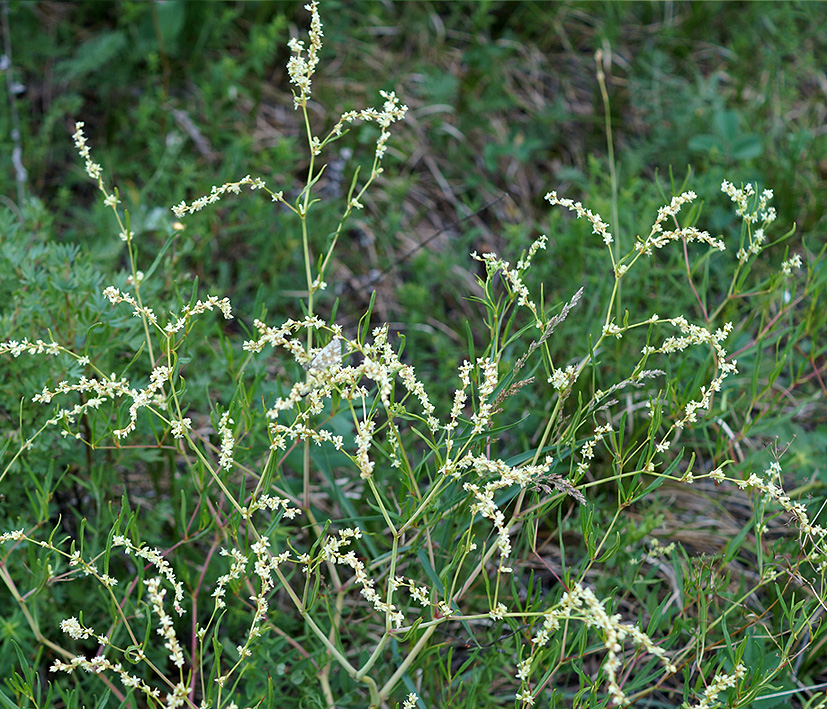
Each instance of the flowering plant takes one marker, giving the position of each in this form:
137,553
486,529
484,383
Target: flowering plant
363,526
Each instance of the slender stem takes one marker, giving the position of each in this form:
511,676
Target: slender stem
387,688
422,505
25,446
697,295
382,509
306,475
380,646
607,114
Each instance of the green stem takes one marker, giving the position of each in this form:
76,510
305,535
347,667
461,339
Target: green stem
380,646
607,114
408,661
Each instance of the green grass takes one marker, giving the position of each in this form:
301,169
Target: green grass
505,104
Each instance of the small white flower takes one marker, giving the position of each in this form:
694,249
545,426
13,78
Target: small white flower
525,697
793,262
498,612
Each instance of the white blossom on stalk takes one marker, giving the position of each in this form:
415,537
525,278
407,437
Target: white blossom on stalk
165,628
599,227
216,192
227,441
364,437
793,262
94,170
719,683
580,603
300,67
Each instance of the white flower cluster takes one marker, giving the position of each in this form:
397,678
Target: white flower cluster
526,697
697,335
798,511
421,594
658,238
409,380
272,503
719,683
561,379
188,312
75,560
524,674
793,262
581,604
392,111
165,628
332,550
320,380
611,329
364,437
94,170
460,395
18,347
481,418
742,198
236,569
513,277
762,213
587,450
16,535
156,558
177,323
116,296
101,663
102,389
279,336
216,192
265,565
599,227
506,476
144,398
73,628
380,364
301,68
155,593
525,262
225,461
179,427
498,611
395,447
299,431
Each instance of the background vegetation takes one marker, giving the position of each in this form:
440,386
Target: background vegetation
505,105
